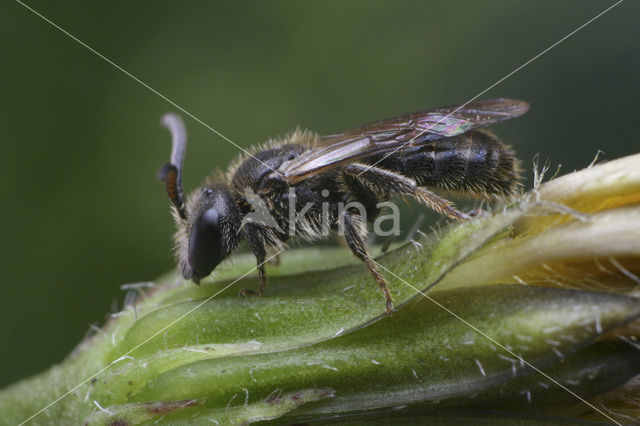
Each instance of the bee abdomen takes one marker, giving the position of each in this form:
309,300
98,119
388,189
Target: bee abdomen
474,162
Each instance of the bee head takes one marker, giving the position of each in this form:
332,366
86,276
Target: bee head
208,223
210,231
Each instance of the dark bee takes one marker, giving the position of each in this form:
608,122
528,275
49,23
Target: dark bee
442,149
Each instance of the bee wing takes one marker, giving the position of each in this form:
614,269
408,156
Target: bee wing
393,134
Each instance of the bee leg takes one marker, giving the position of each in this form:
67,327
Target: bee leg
275,260
387,243
252,234
355,238
392,182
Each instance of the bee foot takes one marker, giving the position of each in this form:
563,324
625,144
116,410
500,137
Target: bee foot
247,292
458,215
475,213
389,308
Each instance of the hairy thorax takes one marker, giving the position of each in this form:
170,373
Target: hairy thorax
308,210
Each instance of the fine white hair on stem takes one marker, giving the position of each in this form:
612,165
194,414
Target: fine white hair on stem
625,271
415,228
101,408
555,208
595,159
538,175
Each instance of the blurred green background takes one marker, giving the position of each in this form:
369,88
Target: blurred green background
81,208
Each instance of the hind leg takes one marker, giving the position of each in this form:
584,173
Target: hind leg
392,182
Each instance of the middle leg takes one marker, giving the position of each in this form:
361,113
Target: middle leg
354,235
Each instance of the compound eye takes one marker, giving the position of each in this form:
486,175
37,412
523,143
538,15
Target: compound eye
205,244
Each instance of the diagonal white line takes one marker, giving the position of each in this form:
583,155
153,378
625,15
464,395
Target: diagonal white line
146,340
430,126
494,341
142,83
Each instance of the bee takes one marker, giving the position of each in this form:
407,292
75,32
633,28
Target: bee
443,149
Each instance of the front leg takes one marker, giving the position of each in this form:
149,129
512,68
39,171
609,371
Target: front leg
355,237
253,235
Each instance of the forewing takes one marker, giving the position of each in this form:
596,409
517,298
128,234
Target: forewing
393,134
